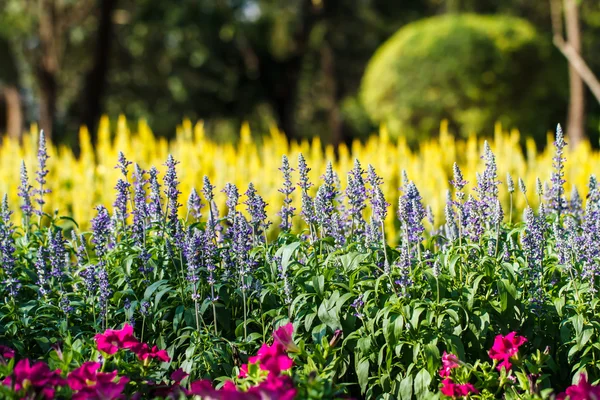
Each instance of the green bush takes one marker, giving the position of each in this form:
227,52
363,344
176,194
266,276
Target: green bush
473,70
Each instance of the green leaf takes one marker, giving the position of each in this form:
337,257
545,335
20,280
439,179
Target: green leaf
152,288
319,284
406,387
362,372
422,381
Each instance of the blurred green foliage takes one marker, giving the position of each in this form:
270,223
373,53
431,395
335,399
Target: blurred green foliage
296,63
470,69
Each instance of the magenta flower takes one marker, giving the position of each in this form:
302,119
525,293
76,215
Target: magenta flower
455,390
112,341
275,387
283,336
6,352
506,347
270,358
582,391
37,377
449,362
144,352
89,384
178,375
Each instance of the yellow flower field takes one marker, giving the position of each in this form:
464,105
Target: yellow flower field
78,184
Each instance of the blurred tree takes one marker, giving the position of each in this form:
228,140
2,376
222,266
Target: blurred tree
9,91
473,70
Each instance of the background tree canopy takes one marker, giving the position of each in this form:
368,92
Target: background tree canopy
298,64
470,69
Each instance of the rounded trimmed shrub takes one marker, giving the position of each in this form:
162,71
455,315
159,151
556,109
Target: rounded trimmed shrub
473,70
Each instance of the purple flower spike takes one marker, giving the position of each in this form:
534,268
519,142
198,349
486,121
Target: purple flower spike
41,173
287,211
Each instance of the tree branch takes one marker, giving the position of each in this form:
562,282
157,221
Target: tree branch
579,64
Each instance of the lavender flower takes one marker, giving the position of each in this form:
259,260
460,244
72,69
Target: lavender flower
451,226
303,171
487,185
41,270
233,197
101,228
57,255
256,209
324,201
41,173
411,214
104,289
357,196
556,194
241,244
140,211
472,219
121,200
287,211
458,182
191,251
7,250
308,206
210,260
207,190
510,184
403,266
194,205
533,240
154,205
25,194
172,192
358,305
123,164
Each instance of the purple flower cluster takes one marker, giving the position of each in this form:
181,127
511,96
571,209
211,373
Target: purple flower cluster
171,185
308,206
287,211
411,213
41,174
255,206
487,186
325,202
194,205
25,194
140,210
556,193
356,193
7,250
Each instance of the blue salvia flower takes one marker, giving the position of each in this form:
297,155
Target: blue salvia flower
379,206
451,226
207,190
104,289
57,255
403,266
576,204
7,250
65,304
497,214
356,193
337,230
505,253
588,249
101,228
510,184
256,209
283,275
192,254
79,246
308,206
24,192
194,205
140,211
241,244
411,214
458,182
233,198
358,305
123,164
533,246
325,201
373,232
145,307
120,204
287,211
154,205
41,270
172,192
487,184
472,219
41,173
556,194
209,257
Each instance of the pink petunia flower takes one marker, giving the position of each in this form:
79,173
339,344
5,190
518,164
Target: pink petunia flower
144,352
275,387
582,391
89,384
506,347
455,390
6,352
37,377
270,358
112,341
449,362
283,336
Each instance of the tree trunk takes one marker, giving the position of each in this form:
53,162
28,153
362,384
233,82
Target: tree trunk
334,119
14,112
96,79
49,64
576,118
